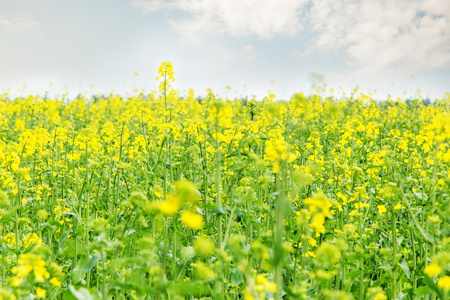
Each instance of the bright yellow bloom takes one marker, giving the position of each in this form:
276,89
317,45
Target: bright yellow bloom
381,209
360,205
186,191
248,296
170,206
444,283
204,245
398,207
16,281
165,71
433,270
309,254
192,220
40,292
312,242
55,282
380,296
277,151
260,279
32,239
203,271
317,223
271,287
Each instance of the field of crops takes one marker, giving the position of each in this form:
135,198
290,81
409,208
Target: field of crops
158,197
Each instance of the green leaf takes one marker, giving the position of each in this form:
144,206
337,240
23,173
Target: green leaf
218,210
353,275
419,195
77,272
430,283
422,291
91,263
195,289
80,221
386,267
81,294
236,277
7,217
405,268
83,266
63,239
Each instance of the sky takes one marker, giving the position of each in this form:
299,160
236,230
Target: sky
237,48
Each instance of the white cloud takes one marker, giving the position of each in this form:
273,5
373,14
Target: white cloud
152,5
264,18
18,23
391,35
402,36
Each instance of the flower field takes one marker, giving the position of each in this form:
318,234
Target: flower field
159,197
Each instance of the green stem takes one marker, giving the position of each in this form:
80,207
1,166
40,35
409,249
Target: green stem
278,231
174,248
394,253
218,189
361,242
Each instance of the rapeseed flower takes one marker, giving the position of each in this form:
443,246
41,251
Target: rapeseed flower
6,295
399,206
192,220
203,271
432,270
444,283
186,191
278,151
41,293
55,281
204,245
381,209
170,206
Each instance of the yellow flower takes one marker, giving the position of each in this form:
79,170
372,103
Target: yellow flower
203,271
433,270
32,239
380,296
381,209
40,292
361,205
317,223
55,282
444,283
204,245
271,287
16,281
398,207
165,71
248,296
260,279
186,191
277,151
353,212
309,254
192,220
170,206
23,271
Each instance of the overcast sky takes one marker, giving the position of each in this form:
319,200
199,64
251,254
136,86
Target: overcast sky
252,46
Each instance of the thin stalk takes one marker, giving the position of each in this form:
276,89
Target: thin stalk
394,253
174,247
278,231
218,188
219,283
361,280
